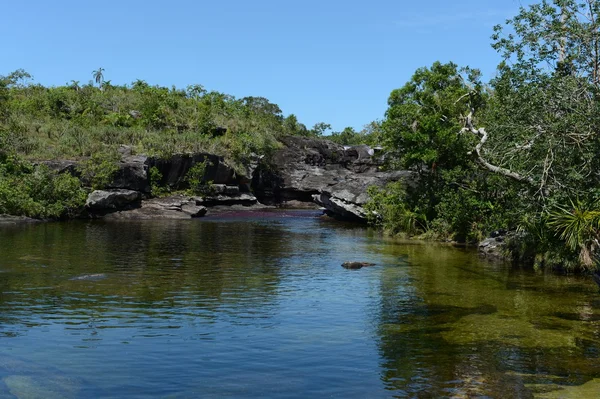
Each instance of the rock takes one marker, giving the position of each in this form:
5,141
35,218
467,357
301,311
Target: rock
225,189
132,173
89,277
45,387
172,207
293,204
334,176
493,247
338,207
106,200
135,114
63,166
217,200
175,168
356,265
9,220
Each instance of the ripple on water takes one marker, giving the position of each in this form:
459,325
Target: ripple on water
239,306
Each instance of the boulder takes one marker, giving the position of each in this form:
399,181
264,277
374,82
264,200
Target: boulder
493,247
63,166
340,208
107,200
132,174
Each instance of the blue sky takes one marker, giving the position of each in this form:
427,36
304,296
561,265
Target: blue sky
330,60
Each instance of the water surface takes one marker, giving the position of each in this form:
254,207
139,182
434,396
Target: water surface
257,305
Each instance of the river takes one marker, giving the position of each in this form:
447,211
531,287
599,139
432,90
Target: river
257,305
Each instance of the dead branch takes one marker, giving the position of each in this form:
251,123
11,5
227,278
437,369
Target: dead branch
483,136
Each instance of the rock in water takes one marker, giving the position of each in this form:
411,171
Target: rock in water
89,277
356,265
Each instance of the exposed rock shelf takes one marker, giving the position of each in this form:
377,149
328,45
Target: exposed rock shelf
334,176
303,171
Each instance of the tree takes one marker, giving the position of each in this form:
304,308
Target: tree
425,114
98,76
319,129
541,127
292,127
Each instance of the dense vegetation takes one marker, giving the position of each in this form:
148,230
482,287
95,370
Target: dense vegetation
89,122
517,153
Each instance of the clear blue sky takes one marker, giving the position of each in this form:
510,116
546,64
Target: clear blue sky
334,61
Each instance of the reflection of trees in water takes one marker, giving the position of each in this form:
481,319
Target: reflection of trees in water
452,325
190,268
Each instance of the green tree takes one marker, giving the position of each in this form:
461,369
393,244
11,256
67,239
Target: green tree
319,129
98,76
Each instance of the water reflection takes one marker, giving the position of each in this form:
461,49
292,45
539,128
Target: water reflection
248,306
472,328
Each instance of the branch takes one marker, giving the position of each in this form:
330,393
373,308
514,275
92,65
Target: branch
477,152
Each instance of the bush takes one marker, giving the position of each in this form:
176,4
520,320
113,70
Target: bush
196,179
99,170
387,208
37,191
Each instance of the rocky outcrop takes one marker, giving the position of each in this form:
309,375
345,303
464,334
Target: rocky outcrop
175,168
331,175
303,170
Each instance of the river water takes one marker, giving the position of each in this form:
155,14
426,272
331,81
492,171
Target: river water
258,305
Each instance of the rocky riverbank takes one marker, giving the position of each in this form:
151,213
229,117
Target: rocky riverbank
304,173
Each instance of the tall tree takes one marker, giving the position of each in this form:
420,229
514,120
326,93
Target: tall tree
98,76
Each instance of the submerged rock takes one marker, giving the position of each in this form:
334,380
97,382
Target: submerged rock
42,387
13,220
356,265
89,277
26,379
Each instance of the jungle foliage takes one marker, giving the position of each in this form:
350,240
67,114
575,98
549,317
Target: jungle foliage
517,153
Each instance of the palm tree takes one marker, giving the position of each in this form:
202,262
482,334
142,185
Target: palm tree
98,76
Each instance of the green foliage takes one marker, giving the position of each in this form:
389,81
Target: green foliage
75,121
99,170
371,135
387,208
511,154
36,191
579,228
424,117
157,189
196,179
